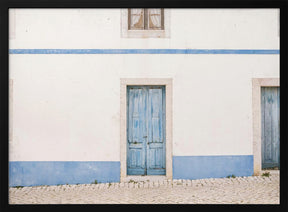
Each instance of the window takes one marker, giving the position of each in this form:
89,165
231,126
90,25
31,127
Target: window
145,23
145,19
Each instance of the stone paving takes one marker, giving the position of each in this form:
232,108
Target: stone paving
239,190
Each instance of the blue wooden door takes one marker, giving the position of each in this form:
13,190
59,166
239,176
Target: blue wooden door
145,130
270,112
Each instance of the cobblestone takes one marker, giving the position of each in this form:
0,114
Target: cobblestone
239,190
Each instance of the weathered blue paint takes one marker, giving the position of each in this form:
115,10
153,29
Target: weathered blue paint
144,51
270,120
33,173
156,132
137,128
200,167
145,130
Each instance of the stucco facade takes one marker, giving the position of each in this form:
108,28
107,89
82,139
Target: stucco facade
67,91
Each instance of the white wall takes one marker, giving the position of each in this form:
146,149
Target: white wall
190,28
67,107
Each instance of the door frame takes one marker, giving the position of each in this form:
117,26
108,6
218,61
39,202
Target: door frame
124,82
257,83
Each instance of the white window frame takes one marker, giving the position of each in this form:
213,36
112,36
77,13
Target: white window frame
125,33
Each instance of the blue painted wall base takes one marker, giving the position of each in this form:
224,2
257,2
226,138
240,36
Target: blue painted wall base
33,173
200,167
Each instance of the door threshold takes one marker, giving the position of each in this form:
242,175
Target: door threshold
146,178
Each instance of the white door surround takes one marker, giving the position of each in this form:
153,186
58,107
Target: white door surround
257,83
124,82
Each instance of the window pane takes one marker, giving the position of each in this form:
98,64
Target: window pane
136,19
155,16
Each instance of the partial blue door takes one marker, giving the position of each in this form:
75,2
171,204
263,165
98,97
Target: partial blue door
145,130
270,109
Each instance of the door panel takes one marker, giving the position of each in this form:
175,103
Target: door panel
145,130
270,109
136,131
155,149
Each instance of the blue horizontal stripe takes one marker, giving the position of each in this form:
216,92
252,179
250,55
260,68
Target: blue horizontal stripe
33,173
200,167
144,51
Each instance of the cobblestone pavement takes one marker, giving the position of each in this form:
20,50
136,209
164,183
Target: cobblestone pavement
239,190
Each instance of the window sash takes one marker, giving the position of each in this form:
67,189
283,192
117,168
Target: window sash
135,19
145,19
155,19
